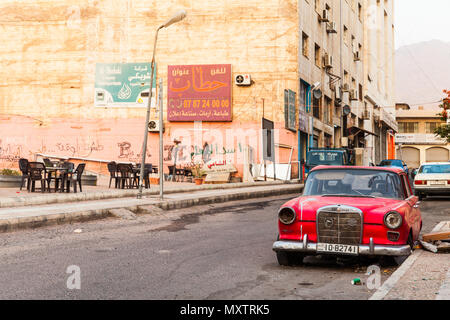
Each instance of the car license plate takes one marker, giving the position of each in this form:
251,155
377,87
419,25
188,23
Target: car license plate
437,183
337,248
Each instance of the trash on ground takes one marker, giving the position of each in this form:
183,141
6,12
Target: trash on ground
77,231
356,282
443,246
428,246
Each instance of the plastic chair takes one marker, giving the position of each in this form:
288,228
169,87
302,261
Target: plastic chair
112,168
23,166
37,172
77,179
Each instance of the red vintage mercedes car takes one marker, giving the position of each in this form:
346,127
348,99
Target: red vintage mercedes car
355,211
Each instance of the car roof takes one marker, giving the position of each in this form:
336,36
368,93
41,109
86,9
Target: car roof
390,169
435,163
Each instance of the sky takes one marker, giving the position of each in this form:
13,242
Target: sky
421,20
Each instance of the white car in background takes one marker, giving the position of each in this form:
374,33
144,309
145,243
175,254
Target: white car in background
432,179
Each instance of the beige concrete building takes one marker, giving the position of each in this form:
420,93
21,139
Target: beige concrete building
379,79
331,34
416,141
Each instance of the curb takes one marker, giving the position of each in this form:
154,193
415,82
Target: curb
16,224
14,202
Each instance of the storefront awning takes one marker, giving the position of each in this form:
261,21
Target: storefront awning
355,131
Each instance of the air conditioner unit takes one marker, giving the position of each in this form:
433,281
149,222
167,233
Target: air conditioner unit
153,126
345,87
357,56
243,80
353,95
325,16
331,27
327,61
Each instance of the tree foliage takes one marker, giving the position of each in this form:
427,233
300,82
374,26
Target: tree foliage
444,130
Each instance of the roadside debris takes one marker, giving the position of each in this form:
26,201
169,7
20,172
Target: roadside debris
77,231
435,236
428,246
436,242
356,282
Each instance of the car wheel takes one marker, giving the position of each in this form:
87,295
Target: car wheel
290,258
420,195
284,258
411,241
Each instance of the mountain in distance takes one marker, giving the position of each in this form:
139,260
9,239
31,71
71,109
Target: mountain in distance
422,73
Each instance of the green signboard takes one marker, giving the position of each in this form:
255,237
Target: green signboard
289,109
123,84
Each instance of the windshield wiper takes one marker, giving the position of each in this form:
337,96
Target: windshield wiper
348,196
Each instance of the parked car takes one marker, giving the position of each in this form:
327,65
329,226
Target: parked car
432,179
395,163
354,211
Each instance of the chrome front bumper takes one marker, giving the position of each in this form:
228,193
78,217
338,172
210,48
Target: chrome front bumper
366,250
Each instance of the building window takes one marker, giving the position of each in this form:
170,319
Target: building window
327,110
432,126
305,45
302,97
328,141
317,55
316,108
345,35
408,127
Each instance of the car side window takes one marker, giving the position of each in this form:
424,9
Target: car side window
407,187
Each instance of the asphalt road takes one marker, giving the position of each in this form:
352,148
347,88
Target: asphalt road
209,252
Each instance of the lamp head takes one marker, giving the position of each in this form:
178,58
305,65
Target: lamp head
177,17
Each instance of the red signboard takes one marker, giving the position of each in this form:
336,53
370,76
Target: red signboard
199,93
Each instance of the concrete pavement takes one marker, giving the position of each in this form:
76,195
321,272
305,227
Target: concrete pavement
22,216
423,276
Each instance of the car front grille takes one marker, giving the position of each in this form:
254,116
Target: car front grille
339,225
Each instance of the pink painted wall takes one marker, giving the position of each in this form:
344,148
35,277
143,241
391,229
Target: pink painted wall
121,140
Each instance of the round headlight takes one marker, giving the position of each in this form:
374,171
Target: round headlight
393,220
287,215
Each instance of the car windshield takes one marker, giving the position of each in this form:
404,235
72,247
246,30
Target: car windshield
354,183
388,163
325,158
435,168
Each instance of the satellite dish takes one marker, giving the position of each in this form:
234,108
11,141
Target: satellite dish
346,110
317,93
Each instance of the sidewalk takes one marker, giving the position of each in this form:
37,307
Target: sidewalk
13,197
423,276
53,209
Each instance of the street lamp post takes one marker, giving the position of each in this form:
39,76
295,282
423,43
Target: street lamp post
180,15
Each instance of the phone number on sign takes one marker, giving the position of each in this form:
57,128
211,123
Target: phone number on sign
196,104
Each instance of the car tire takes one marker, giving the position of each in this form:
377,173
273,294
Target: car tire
284,258
420,195
410,241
